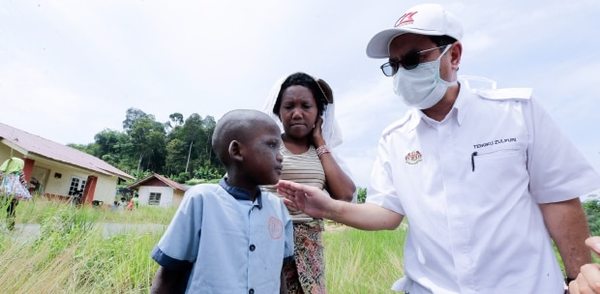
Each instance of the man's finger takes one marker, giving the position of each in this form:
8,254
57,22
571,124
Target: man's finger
590,274
290,204
573,289
593,243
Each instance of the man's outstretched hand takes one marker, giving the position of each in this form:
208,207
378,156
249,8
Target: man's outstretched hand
310,200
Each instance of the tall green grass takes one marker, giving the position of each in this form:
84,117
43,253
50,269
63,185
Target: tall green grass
35,210
72,255
363,262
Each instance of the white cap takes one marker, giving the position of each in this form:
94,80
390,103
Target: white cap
423,19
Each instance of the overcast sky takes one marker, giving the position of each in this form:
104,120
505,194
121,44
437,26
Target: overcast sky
69,69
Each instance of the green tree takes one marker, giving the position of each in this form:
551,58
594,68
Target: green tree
132,115
181,148
189,151
193,134
116,148
148,138
361,195
87,148
592,210
176,153
175,122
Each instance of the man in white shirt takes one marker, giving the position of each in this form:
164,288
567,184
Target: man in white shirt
485,178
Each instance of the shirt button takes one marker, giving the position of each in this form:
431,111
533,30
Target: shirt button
252,247
251,291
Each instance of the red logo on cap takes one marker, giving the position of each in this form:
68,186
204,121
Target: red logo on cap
407,18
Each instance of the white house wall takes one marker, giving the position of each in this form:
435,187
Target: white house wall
178,196
166,197
5,153
106,189
106,186
60,185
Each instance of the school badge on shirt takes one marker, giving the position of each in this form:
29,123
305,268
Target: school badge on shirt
275,228
413,157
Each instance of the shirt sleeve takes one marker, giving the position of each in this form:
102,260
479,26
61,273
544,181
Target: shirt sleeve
178,247
381,190
289,234
557,170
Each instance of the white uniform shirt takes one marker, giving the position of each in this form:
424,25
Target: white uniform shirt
233,245
470,186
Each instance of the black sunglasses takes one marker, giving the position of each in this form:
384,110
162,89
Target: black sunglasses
410,61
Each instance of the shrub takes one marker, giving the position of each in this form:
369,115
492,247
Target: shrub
592,210
361,195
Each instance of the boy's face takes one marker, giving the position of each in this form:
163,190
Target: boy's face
262,159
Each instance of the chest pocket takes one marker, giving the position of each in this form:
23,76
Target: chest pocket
496,158
495,175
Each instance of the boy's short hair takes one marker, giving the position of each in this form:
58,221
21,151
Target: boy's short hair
240,125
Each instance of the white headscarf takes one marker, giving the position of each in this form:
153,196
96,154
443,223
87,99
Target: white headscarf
332,134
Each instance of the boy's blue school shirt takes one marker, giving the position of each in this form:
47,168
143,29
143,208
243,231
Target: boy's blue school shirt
233,245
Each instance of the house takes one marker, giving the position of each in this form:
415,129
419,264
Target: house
58,171
159,190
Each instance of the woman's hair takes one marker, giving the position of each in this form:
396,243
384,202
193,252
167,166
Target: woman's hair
319,88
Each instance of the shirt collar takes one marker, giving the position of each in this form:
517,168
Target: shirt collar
239,193
459,109
462,102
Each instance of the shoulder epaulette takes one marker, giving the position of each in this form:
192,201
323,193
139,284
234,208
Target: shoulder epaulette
398,123
506,93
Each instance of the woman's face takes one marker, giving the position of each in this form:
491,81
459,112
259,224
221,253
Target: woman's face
298,111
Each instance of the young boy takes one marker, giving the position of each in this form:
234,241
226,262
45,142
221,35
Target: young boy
230,237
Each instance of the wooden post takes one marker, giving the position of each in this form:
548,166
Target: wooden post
28,169
89,189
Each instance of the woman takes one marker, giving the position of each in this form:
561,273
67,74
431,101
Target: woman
304,107
13,187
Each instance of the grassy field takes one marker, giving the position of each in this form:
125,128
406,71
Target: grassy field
363,262
73,256
36,210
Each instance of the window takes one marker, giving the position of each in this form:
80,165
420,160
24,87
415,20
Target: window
76,187
154,199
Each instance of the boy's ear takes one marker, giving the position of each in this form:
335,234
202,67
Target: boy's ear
235,150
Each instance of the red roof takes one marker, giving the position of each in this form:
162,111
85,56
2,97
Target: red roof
37,145
161,178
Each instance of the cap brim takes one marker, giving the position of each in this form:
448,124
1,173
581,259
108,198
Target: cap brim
379,45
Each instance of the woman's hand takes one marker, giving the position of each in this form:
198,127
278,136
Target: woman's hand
317,133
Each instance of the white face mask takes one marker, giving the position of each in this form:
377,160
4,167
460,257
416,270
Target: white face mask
422,87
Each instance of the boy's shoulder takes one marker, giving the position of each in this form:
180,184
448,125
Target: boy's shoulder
203,190
270,195
272,199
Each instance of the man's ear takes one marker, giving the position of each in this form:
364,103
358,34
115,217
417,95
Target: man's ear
235,150
455,55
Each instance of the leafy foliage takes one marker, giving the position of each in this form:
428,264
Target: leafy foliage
592,210
361,195
179,148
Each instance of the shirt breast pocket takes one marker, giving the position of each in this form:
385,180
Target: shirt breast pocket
496,174
497,159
